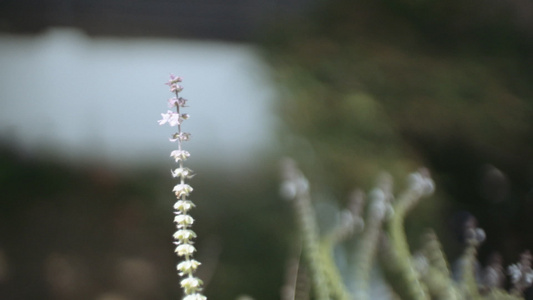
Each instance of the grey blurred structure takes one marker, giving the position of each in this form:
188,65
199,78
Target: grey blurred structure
209,42
234,20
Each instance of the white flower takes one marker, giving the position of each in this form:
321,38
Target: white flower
184,236
165,117
172,118
515,272
518,272
378,206
182,173
422,183
528,278
180,155
191,285
188,266
183,220
185,250
420,263
182,189
480,235
183,205
175,120
195,297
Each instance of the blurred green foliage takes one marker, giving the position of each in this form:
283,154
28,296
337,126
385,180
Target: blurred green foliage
365,86
85,231
391,85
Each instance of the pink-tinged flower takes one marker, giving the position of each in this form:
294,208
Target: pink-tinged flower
173,83
176,88
173,102
173,80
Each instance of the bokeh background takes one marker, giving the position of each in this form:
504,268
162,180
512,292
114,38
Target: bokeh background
347,88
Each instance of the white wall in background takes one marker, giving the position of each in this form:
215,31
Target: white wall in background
100,98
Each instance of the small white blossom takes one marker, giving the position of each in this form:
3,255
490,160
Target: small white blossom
188,266
165,117
191,285
183,220
420,263
480,235
180,155
520,273
182,189
514,272
378,206
185,250
173,119
422,183
182,173
195,297
184,236
183,206
528,278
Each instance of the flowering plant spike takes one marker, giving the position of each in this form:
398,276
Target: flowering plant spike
184,236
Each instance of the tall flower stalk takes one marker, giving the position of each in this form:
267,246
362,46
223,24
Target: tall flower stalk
184,236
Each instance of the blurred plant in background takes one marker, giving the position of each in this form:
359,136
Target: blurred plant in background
365,86
368,86
380,236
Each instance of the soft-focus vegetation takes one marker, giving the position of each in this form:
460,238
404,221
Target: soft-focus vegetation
391,85
365,86
84,232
